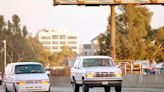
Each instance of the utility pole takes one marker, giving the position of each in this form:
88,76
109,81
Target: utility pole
4,43
113,32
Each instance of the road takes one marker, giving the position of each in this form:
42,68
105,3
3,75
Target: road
69,89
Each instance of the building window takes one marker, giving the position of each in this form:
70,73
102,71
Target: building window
62,37
61,47
45,42
47,47
55,42
62,42
73,47
54,47
72,37
45,37
54,36
72,42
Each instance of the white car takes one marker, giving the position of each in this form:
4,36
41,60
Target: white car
25,77
47,70
95,71
160,68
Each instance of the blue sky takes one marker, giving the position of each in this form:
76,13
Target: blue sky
87,21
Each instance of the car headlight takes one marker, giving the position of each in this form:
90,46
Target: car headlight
118,73
46,81
90,74
20,82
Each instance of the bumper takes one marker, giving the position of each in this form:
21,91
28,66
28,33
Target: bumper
33,87
103,82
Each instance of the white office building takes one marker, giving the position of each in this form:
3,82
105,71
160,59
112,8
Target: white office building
54,39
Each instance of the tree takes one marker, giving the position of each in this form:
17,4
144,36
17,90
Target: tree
17,48
38,51
159,44
103,40
136,20
62,58
132,28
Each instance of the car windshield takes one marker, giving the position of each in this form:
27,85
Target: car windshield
25,69
97,62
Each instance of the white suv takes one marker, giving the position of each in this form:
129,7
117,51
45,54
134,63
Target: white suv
25,77
95,71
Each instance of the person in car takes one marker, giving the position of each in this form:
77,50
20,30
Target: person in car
103,63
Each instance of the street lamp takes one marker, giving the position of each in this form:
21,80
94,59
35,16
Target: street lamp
4,44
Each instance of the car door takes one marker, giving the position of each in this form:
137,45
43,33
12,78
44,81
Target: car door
10,78
75,69
7,76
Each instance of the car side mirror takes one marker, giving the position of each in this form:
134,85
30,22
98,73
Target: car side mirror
118,66
47,72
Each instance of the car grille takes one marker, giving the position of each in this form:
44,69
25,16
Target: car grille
33,81
105,74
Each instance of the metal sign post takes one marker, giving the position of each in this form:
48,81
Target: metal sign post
4,42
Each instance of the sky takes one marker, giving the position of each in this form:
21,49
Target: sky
87,21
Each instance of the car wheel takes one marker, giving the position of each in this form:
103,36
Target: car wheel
118,88
14,89
107,89
6,90
49,90
0,82
75,86
85,88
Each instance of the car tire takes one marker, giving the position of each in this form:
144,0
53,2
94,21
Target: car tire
75,86
107,89
0,82
14,89
6,90
118,88
49,90
85,88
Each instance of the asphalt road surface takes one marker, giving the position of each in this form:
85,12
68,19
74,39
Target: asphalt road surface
69,89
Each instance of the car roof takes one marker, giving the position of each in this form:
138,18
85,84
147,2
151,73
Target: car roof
85,57
159,65
24,63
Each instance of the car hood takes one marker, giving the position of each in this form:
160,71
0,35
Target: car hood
102,69
31,76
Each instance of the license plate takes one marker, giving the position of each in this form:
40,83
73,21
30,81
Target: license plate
104,83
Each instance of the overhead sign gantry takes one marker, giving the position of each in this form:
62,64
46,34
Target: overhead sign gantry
106,2
112,3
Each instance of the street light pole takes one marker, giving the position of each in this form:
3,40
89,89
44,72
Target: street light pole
4,42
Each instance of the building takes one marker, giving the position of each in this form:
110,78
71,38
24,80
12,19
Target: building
85,50
94,45
54,39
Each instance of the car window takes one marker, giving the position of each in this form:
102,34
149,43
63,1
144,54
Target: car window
8,69
162,71
76,63
97,62
162,65
32,68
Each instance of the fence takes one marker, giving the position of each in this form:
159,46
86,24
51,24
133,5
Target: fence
130,68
